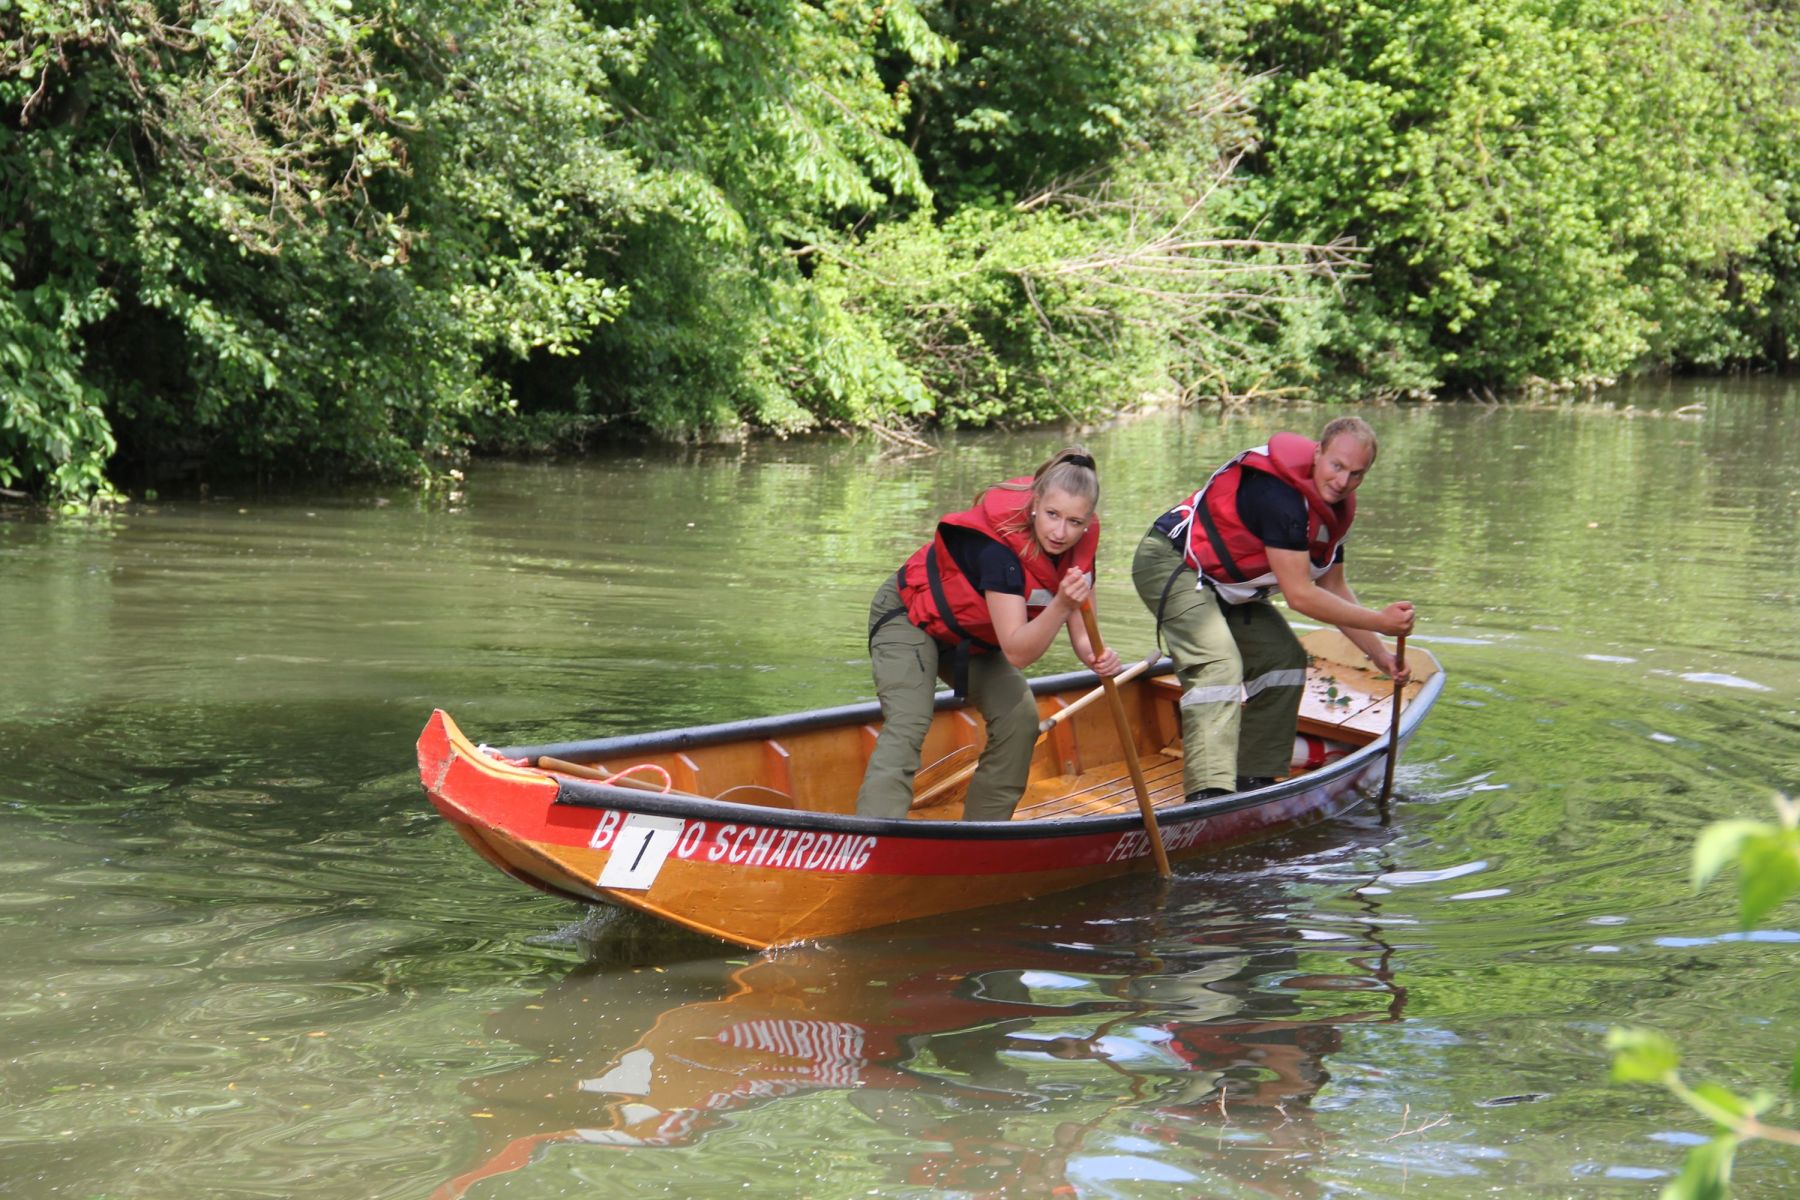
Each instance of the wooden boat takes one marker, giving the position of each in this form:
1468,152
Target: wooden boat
754,838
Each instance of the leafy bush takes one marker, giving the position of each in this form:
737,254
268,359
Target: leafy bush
1544,189
364,235
763,130
277,235
1040,92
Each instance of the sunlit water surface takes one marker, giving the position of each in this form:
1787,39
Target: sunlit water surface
245,959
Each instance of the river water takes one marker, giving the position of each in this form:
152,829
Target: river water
244,958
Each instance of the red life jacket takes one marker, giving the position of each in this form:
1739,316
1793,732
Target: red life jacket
1215,541
940,599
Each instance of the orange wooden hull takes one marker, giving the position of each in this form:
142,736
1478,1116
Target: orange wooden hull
796,863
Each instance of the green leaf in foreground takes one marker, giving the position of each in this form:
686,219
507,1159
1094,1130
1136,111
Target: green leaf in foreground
1718,844
1641,1056
1705,1172
1725,1106
1766,855
1769,864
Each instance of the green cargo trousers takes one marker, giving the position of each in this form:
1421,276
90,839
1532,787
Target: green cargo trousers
1222,653
908,663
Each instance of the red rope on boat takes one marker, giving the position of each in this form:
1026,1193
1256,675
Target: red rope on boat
663,782
662,775
499,757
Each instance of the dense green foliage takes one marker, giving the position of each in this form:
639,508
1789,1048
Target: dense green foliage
287,235
1551,189
278,232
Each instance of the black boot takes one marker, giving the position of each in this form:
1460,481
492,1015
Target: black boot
1250,783
1207,794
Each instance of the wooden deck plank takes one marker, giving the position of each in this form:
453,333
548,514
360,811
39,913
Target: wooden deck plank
1104,790
1359,702
1356,701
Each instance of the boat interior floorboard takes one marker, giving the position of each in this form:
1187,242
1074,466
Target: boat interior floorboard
1103,790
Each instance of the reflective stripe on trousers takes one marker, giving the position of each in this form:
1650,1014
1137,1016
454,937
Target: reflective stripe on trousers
1228,694
1220,738
1273,679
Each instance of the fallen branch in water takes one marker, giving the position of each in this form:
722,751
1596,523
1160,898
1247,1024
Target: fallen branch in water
901,438
1405,1114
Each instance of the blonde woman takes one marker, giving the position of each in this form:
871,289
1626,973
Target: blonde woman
974,606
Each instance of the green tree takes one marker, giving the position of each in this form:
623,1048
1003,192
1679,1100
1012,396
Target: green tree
768,131
1548,189
282,234
1044,91
363,235
803,272
1082,251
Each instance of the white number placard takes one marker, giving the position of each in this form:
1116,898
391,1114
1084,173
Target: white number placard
638,851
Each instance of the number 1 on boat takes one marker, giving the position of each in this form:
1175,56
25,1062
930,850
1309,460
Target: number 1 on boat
639,851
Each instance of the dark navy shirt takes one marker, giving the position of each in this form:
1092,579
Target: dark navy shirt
1272,510
985,563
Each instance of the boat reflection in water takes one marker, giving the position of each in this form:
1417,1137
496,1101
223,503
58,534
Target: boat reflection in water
983,1064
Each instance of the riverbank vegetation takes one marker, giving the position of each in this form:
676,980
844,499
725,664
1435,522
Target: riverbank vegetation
284,236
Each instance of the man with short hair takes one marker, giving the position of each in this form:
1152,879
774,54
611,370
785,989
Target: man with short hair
1273,519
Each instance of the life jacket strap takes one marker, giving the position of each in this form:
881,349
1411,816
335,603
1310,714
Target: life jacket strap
890,614
965,641
1205,517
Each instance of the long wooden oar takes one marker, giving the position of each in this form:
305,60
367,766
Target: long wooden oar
1128,740
1387,778
936,792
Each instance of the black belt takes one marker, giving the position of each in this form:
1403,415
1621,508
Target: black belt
890,614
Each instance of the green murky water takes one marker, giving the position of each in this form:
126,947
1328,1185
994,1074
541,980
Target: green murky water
244,959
